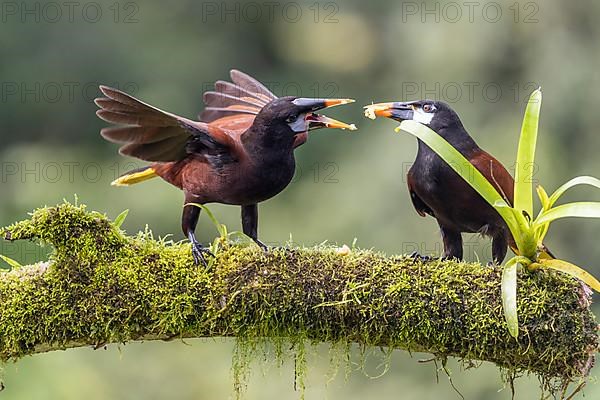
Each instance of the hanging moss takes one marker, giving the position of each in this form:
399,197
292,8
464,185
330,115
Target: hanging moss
101,287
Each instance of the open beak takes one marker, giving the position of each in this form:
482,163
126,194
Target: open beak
317,121
399,111
336,102
319,104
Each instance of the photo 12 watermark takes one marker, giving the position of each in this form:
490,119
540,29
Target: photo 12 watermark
470,11
54,172
78,172
473,248
321,172
21,252
312,89
269,12
468,91
463,168
70,92
57,92
54,12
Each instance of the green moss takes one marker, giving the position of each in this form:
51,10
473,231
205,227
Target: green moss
103,287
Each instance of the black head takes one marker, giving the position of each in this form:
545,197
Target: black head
437,115
286,117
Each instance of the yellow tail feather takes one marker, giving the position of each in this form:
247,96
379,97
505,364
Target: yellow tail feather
133,177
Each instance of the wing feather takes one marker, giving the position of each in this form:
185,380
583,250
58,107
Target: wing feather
151,134
216,99
249,83
139,134
238,91
169,149
496,174
245,95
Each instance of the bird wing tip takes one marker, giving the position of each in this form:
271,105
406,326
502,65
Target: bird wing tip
101,113
99,100
104,88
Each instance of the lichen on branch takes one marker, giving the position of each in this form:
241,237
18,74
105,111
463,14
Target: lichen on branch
101,286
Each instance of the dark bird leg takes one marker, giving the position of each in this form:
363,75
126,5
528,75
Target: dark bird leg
417,256
250,223
189,221
453,245
499,246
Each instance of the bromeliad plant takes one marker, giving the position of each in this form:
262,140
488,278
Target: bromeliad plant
528,232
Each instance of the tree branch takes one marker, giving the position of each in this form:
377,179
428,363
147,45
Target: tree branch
104,287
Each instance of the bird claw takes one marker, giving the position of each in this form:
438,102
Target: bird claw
266,249
199,252
415,255
263,246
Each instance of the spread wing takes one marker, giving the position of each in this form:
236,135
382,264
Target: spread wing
244,96
232,106
150,134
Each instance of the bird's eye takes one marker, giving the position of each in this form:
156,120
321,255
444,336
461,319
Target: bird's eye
428,108
291,118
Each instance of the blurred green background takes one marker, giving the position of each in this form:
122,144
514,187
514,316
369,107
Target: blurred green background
484,58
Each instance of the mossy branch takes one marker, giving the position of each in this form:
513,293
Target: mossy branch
101,287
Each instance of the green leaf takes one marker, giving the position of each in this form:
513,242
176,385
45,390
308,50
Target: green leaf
542,230
573,270
577,210
526,154
10,261
464,168
543,195
526,237
214,248
540,233
509,296
242,238
519,218
220,228
121,218
580,180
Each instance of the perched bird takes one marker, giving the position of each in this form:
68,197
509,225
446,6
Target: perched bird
439,191
240,152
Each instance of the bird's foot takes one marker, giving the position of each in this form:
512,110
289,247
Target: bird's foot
266,248
451,258
415,255
199,253
260,244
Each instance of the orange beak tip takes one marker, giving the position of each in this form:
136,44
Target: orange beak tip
337,102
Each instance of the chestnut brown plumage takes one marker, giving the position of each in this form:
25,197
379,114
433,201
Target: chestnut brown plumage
240,152
437,190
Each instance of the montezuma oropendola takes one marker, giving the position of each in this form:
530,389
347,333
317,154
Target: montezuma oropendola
437,190
240,152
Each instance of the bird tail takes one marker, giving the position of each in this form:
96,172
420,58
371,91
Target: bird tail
135,176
